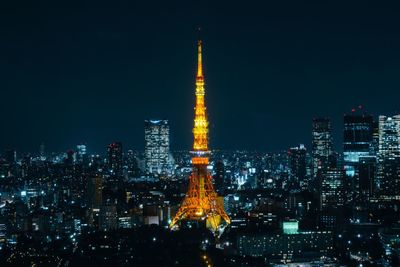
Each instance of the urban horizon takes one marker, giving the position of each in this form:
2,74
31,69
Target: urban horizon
100,150
313,192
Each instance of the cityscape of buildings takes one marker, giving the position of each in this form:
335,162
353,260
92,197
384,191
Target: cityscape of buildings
109,155
302,207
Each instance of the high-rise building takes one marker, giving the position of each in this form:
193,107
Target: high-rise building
156,135
357,140
390,178
389,156
332,188
94,191
389,136
297,163
108,218
132,163
114,157
321,143
70,159
367,178
81,153
219,177
201,202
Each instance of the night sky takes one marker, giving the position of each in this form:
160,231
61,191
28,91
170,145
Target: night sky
92,73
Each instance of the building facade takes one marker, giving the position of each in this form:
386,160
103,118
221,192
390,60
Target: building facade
357,140
114,158
389,156
157,156
321,143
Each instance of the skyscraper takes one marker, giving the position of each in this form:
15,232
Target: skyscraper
389,156
114,158
219,177
201,203
357,140
94,191
332,188
81,152
390,178
389,136
156,135
132,163
321,143
108,217
367,178
297,163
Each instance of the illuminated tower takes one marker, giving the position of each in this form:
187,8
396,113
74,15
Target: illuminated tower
201,201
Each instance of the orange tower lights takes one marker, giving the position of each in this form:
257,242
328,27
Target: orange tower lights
201,201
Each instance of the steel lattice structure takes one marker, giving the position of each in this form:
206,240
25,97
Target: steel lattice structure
201,201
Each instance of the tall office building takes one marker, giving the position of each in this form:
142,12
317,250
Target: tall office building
357,140
108,218
132,163
389,156
156,135
390,178
389,136
114,157
95,191
297,163
367,178
332,188
81,153
70,159
321,143
219,177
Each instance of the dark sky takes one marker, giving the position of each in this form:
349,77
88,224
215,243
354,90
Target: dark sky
92,73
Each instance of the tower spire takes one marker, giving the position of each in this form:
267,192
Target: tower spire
199,60
200,129
201,201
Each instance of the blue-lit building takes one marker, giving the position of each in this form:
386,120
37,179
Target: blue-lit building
357,140
156,137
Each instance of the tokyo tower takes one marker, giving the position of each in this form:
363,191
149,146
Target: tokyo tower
201,201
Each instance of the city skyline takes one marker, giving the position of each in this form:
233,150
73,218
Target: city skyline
94,74
199,134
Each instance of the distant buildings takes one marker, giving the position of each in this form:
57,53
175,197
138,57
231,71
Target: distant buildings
81,152
332,188
94,191
286,246
389,136
219,177
357,140
321,143
108,218
157,156
297,163
114,158
367,182
389,156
